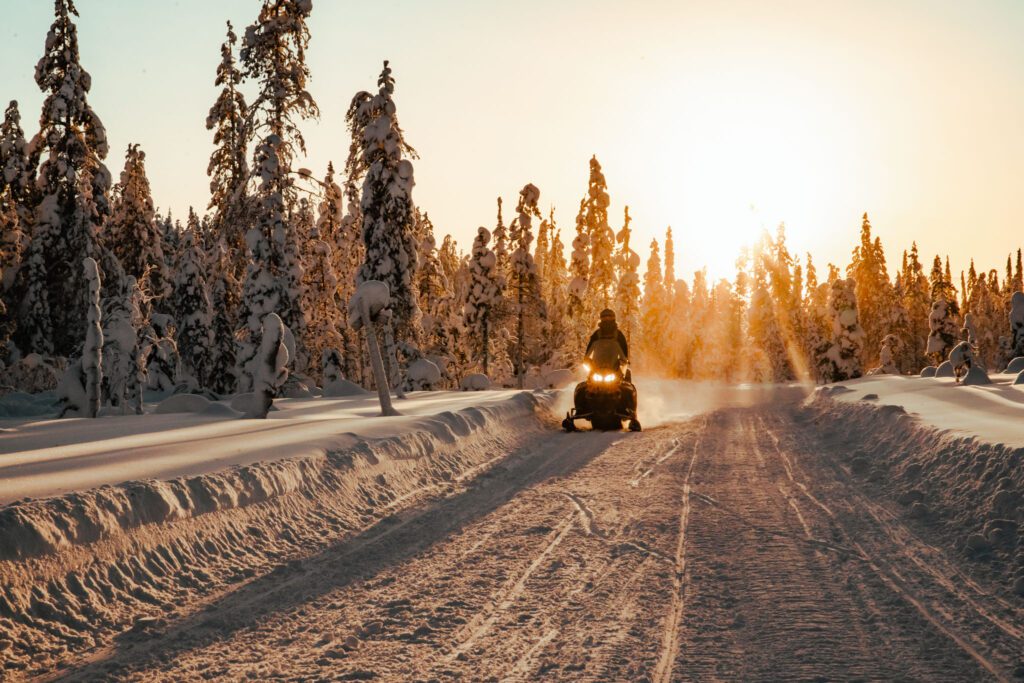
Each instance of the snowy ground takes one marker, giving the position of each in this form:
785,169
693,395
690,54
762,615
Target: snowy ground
749,533
41,458
993,413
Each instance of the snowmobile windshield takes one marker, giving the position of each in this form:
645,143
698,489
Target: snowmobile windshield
606,354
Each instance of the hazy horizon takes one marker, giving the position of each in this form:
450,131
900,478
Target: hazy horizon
716,119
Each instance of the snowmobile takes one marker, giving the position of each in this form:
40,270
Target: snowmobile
607,396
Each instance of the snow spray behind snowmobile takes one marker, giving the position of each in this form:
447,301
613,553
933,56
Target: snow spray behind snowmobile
606,397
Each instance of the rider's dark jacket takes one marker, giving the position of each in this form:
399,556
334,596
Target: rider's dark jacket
609,330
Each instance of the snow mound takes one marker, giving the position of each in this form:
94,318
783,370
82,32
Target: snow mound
183,403
1019,379
975,377
1015,366
945,369
424,374
342,387
475,382
928,371
295,389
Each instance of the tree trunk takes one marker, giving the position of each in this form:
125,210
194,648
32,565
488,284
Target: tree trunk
379,378
394,369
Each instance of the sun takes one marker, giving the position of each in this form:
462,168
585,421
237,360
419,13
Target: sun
749,154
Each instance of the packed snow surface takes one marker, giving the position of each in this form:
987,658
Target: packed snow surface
50,457
992,413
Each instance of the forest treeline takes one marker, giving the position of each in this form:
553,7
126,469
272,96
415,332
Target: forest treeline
172,305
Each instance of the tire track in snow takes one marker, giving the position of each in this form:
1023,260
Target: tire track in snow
670,634
483,622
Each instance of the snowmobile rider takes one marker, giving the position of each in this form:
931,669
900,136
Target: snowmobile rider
607,328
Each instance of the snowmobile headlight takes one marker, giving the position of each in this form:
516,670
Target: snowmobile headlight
609,377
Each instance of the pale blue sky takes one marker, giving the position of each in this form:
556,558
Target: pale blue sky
812,112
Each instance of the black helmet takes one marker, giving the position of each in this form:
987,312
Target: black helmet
607,314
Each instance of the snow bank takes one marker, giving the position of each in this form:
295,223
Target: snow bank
183,403
77,569
954,466
475,382
343,387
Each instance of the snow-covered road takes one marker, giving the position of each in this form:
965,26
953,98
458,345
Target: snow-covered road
738,545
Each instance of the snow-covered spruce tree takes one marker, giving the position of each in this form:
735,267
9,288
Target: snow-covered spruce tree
271,366
160,353
331,366
272,282
943,327
123,322
577,304
627,294
887,356
170,233
525,288
847,335
437,302
540,253
500,239
653,310
602,240
916,300
555,284
80,387
817,326
193,313
484,295
380,156
224,293
16,205
670,264
874,290
228,168
132,234
1016,318
72,189
17,172
324,310
273,54
349,251
330,212
347,255
303,221
13,243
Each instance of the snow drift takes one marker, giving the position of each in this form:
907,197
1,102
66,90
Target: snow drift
78,568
